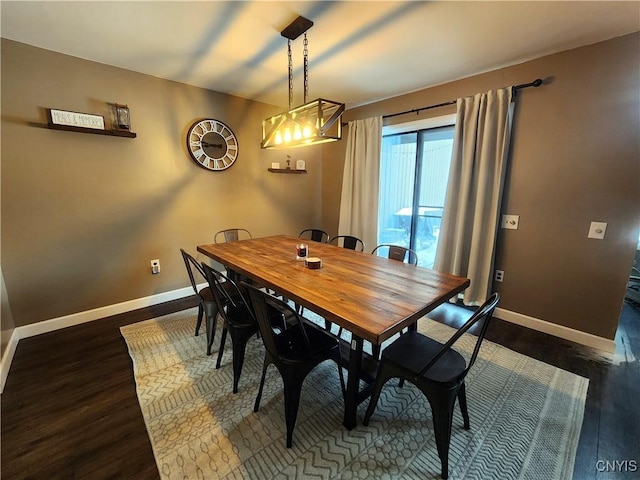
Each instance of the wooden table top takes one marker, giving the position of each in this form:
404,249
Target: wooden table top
373,297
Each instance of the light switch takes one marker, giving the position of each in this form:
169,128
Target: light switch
510,221
597,230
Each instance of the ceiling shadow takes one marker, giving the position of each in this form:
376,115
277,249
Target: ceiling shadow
319,11
217,29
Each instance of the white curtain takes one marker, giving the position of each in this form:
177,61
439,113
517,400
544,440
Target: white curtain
360,181
472,207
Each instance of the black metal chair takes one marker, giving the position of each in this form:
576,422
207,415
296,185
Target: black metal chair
314,234
239,320
206,302
348,241
396,252
438,371
231,235
294,350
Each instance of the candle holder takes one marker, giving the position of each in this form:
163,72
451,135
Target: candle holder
123,118
302,251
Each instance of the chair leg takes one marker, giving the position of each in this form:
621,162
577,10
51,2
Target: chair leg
256,405
462,400
442,404
341,375
211,320
221,349
200,315
239,343
292,389
381,378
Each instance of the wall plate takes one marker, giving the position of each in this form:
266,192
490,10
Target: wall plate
510,222
597,230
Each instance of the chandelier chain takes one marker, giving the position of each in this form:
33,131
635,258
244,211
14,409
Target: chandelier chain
307,124
306,68
290,75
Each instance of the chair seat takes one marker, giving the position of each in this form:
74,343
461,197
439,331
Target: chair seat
291,345
412,351
240,317
206,294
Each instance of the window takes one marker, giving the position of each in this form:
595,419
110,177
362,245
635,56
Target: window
414,170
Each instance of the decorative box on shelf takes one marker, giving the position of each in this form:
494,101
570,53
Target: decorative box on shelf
82,122
275,167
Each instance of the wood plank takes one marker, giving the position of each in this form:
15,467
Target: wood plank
69,407
373,297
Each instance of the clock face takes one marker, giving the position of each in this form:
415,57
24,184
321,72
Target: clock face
212,144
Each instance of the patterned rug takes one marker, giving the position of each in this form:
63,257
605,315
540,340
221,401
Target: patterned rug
525,415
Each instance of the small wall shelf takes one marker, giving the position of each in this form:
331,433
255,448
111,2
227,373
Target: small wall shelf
286,170
113,133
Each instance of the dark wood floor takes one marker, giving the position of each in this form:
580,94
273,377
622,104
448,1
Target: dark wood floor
69,407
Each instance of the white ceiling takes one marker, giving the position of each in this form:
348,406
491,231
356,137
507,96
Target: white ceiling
359,51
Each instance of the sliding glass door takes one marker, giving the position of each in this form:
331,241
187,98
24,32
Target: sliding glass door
414,170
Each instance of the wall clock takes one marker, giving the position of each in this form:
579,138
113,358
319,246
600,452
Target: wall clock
212,144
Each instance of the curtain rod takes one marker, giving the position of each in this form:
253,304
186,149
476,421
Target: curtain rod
536,83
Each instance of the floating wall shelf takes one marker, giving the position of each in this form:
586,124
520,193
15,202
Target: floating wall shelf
286,170
112,133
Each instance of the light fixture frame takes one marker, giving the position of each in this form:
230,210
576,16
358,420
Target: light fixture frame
315,122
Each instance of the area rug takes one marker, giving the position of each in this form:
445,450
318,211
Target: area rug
525,416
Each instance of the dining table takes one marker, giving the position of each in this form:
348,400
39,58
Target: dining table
372,297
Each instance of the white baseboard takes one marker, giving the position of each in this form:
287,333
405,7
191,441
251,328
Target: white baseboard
567,333
7,357
53,324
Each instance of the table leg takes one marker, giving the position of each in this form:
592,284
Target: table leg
353,383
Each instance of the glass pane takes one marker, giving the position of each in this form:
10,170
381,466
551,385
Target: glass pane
437,146
397,178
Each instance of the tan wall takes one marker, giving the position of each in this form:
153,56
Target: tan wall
82,214
575,159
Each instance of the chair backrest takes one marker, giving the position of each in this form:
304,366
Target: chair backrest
396,252
348,241
482,316
262,303
315,234
231,235
191,263
226,292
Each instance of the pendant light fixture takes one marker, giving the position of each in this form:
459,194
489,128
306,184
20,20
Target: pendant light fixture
313,122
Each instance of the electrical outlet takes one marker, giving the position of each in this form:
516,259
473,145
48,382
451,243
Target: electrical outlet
155,266
597,230
510,222
499,275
